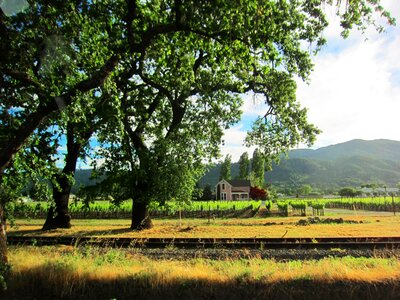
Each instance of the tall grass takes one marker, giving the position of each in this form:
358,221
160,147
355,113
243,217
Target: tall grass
93,273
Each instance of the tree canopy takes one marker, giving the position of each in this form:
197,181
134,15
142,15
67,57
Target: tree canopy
244,166
225,172
257,169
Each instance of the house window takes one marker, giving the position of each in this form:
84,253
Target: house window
223,196
223,186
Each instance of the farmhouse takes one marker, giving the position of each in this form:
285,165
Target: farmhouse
236,189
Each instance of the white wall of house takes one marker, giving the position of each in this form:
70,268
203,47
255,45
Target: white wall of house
228,192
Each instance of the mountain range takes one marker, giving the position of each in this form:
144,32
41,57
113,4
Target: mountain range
351,163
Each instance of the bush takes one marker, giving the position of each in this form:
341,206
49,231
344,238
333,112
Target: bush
257,193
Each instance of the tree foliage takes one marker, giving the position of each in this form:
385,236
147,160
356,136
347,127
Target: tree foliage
207,193
303,190
225,172
257,168
257,193
349,192
244,166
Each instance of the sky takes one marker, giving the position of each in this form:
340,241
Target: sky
353,93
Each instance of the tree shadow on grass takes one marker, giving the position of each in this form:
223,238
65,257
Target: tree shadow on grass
23,232
100,233
67,232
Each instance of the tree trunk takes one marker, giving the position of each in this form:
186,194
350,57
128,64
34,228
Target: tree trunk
3,238
4,265
62,218
140,216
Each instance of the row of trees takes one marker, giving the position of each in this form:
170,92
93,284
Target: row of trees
351,192
154,84
252,170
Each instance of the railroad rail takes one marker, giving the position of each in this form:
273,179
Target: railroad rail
223,243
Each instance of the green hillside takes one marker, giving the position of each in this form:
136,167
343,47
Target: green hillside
347,164
376,149
82,178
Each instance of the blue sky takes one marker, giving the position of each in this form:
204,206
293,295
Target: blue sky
354,91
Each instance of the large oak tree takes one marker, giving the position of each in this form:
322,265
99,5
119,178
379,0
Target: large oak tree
185,62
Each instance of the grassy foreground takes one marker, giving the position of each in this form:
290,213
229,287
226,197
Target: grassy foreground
91,273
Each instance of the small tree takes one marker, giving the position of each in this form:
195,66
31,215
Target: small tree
349,192
225,172
257,169
207,193
304,190
244,166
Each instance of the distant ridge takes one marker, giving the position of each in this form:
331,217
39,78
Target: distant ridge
350,163
328,168
379,149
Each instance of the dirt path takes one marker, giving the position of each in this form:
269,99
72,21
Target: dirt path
347,212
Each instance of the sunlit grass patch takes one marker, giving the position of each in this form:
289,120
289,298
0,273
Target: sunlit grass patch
200,228
98,273
93,260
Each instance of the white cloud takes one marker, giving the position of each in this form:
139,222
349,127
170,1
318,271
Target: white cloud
253,105
354,93
234,143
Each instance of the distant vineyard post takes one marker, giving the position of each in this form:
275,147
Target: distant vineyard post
393,205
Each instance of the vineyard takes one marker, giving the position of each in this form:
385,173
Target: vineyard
373,204
108,210
208,209
299,206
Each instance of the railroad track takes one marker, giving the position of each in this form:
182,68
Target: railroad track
223,243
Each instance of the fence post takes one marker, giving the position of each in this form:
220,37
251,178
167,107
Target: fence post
209,212
393,205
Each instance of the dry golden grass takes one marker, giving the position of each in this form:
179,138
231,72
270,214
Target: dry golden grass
370,226
108,264
92,273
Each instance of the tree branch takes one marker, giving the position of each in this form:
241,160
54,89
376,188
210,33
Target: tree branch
130,16
149,112
198,62
154,84
97,79
24,78
44,110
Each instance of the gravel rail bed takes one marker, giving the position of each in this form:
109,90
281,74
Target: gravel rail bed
276,254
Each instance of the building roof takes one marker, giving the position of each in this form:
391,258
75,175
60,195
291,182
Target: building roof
239,182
